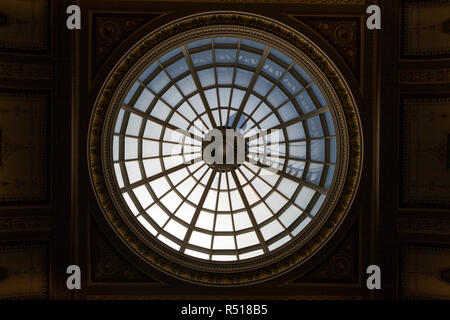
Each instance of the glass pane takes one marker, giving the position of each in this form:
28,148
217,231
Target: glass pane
243,77
152,167
225,75
207,77
199,43
149,149
319,95
147,225
290,83
237,97
144,197
197,104
116,148
318,150
119,121
262,111
290,215
161,110
186,212
317,205
288,112
205,220
177,68
251,254
330,124
305,102
273,69
261,213
200,239
225,55
223,257
223,242
296,131
315,127
246,239
172,96
148,71
131,148
176,229
301,226
302,73
197,254
131,93
186,85
118,173
248,58
158,215
314,173
276,97
160,186
211,97
133,171
144,100
241,221
169,242
279,243
152,130
223,223
276,201
333,150
224,96
225,40
251,104
130,204
202,58
170,55
159,82
171,201
272,229
330,175
262,86
281,56
287,187
134,125
304,197
269,122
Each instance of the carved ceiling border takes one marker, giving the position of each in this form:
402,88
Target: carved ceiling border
351,122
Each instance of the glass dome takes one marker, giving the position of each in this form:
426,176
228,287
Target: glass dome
224,212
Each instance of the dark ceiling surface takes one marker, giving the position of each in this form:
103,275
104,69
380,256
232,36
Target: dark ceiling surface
50,218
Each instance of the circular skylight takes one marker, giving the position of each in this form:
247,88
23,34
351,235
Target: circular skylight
282,144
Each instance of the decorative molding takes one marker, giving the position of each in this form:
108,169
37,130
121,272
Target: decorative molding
25,224
111,29
13,70
445,275
424,76
110,267
24,271
340,266
267,31
425,29
422,272
423,225
24,149
343,33
25,26
424,142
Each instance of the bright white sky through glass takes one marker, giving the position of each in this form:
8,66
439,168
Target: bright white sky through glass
224,215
